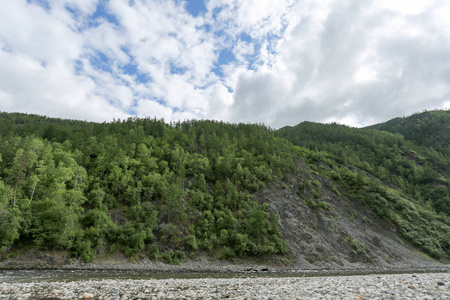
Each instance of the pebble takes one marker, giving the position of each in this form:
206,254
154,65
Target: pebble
390,286
88,296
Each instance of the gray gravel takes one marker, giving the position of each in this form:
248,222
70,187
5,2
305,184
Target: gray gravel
392,286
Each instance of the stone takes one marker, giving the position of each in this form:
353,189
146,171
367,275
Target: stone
424,286
88,296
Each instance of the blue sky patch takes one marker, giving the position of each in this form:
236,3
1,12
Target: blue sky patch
195,7
216,11
100,61
75,13
132,69
226,56
102,12
245,37
206,27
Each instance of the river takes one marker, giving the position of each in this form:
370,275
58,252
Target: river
64,275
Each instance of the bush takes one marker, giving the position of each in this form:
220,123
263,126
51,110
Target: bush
83,250
240,243
168,257
280,245
191,243
227,253
173,257
154,253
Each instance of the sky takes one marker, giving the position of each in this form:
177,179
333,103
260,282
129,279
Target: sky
255,61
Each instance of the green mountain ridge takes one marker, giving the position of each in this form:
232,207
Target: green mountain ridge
313,193
397,178
429,128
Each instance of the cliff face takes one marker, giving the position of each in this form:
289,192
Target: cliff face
341,233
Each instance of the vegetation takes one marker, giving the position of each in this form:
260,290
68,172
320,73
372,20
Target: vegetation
169,190
405,181
429,129
139,186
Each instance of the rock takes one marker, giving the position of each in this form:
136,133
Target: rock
425,286
54,293
88,296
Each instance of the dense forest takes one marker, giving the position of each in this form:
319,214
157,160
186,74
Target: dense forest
168,191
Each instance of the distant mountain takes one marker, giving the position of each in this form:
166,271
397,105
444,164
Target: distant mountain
429,128
308,195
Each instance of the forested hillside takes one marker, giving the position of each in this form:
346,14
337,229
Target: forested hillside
170,191
430,128
405,183
139,186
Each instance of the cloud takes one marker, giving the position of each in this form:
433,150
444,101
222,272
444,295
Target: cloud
352,63
277,62
30,87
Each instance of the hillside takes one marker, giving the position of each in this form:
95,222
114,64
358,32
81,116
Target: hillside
310,195
404,183
429,128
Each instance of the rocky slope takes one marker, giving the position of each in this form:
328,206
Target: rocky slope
347,235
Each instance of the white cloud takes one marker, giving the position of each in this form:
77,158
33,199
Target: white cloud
254,17
405,7
86,7
146,108
27,86
30,29
352,62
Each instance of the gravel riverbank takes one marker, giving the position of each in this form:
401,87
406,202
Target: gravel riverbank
376,286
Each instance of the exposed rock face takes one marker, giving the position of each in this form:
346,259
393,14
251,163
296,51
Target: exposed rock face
344,234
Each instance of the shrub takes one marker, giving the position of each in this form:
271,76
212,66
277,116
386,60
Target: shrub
173,257
227,253
154,253
191,243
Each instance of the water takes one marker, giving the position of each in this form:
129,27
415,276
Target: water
36,275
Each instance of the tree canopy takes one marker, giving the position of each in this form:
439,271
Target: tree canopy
166,190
